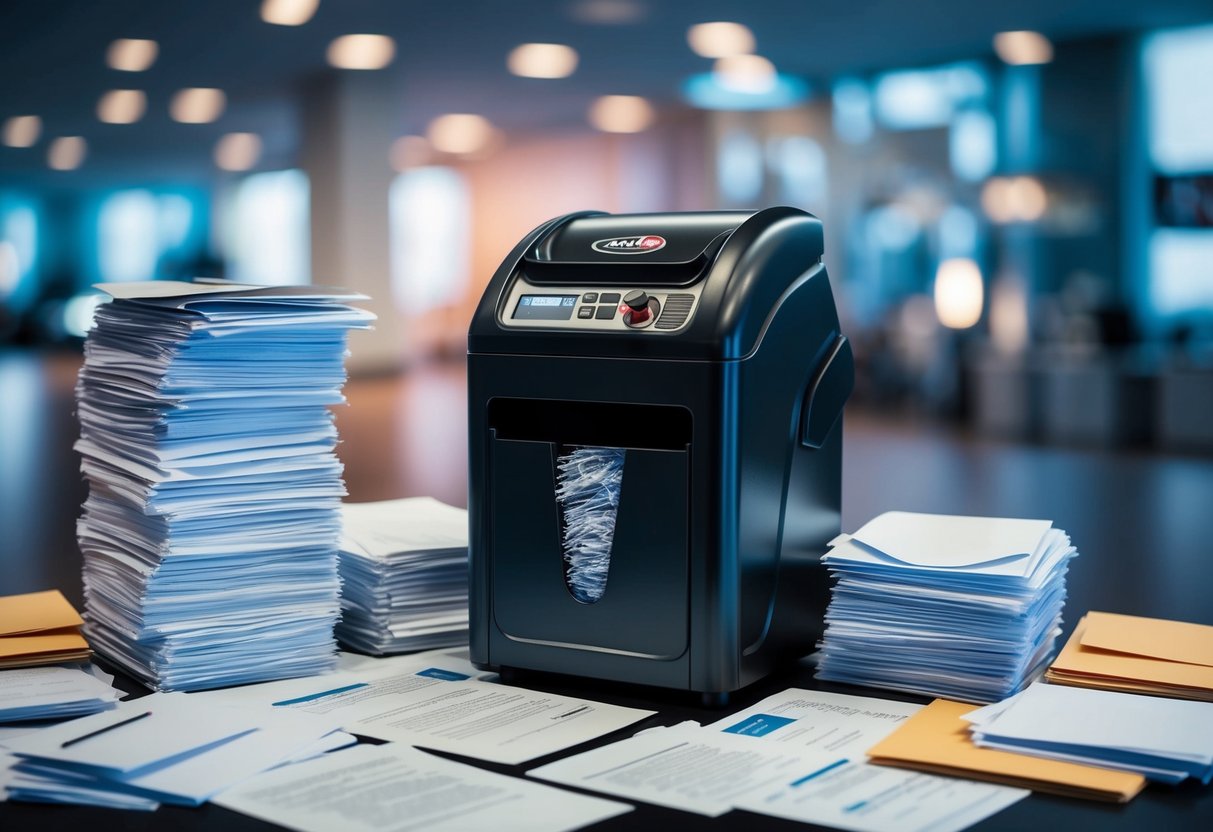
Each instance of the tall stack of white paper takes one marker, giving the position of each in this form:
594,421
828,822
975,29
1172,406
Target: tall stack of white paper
965,608
404,570
211,526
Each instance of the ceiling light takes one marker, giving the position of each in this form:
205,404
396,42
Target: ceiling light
409,152
22,131
721,39
609,12
460,133
197,105
122,106
542,60
66,152
238,151
288,12
1020,48
751,74
959,293
131,54
622,114
362,51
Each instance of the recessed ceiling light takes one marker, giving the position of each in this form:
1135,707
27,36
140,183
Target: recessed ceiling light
132,54
409,152
460,133
745,73
122,106
542,60
609,12
238,151
66,152
621,114
22,131
197,105
1022,48
361,51
288,12
720,39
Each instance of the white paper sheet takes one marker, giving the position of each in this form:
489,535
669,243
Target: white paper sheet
830,723
434,707
798,754
392,788
860,797
175,727
49,692
684,767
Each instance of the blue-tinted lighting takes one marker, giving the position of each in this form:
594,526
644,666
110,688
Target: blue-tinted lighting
706,92
739,171
267,229
916,99
973,145
18,248
429,210
852,110
127,246
1178,67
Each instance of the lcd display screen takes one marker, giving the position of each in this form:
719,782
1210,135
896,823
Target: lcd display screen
545,307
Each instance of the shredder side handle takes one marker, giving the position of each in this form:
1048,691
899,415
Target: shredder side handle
827,393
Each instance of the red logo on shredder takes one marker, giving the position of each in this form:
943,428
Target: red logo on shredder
639,244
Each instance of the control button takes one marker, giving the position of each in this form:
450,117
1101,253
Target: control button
609,297
639,310
585,312
606,313
637,300
589,297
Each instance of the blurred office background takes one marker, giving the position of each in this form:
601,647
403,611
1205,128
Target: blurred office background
1018,198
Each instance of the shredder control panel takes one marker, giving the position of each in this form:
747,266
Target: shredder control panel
600,308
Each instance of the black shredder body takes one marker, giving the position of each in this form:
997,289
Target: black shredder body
707,347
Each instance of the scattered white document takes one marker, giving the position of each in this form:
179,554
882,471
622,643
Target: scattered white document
124,743
684,767
858,796
800,755
435,707
831,723
454,660
52,693
845,791
393,788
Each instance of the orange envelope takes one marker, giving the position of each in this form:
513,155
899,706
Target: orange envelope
39,628
1138,655
936,740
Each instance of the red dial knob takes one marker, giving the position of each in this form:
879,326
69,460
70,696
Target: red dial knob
636,308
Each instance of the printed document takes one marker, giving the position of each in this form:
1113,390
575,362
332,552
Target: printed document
436,707
799,755
394,788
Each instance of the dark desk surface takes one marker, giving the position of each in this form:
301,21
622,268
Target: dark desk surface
1142,522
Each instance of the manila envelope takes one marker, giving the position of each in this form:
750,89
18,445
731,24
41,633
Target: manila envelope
936,740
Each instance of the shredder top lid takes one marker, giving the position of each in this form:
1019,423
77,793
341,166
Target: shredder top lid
740,262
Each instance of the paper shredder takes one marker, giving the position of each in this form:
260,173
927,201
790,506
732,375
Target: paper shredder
706,348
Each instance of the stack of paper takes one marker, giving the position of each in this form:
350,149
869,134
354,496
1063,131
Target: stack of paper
1168,740
40,628
404,570
1138,655
211,527
52,693
936,739
161,748
966,608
